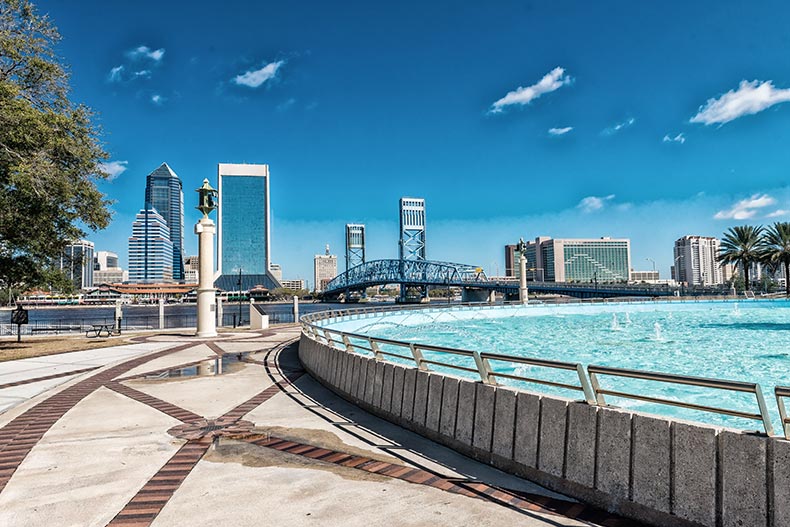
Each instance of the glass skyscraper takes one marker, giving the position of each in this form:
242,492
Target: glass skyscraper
164,193
243,227
150,249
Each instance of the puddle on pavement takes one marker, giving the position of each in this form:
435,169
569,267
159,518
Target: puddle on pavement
228,363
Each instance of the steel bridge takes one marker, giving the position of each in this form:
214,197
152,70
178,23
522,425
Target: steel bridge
422,274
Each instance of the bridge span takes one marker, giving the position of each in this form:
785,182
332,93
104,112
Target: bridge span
417,275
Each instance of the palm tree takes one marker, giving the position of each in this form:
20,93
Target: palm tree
777,249
742,246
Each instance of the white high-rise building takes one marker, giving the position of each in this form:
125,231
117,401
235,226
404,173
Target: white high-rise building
77,262
325,267
696,261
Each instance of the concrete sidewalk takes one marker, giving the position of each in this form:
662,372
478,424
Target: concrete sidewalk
172,430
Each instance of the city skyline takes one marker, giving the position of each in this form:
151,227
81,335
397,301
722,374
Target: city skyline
628,134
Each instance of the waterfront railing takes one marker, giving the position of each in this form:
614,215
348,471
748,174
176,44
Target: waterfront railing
486,367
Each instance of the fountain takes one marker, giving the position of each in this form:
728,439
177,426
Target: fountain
615,323
736,311
627,319
657,332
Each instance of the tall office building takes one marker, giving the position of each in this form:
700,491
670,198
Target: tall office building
412,229
243,228
77,263
164,193
325,269
355,245
578,260
696,260
150,249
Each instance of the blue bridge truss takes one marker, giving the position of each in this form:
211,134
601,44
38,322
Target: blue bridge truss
422,273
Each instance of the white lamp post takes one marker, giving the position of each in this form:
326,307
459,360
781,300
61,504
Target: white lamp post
523,292
206,297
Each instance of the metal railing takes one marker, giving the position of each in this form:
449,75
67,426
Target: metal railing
483,368
781,392
735,386
588,379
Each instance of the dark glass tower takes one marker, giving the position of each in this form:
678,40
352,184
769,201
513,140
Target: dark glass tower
164,193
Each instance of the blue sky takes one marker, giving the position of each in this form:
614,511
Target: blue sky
567,119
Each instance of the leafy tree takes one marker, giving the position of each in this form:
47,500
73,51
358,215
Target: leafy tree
743,246
777,249
50,154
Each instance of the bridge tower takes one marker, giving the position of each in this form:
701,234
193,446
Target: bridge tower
412,245
355,245
412,229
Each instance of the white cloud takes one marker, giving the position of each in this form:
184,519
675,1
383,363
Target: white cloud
285,105
778,213
680,138
594,203
141,52
114,168
553,80
142,73
619,126
254,78
749,98
157,99
746,208
115,74
560,131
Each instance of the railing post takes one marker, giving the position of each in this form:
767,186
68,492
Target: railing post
596,387
769,428
589,396
329,341
418,358
783,414
347,342
376,351
483,369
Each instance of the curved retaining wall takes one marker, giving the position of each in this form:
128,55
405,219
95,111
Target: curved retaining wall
655,470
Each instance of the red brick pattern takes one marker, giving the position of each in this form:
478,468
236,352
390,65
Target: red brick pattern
19,436
47,377
525,502
163,406
144,507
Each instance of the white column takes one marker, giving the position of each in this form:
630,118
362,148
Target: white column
161,313
296,309
220,312
118,315
206,301
522,283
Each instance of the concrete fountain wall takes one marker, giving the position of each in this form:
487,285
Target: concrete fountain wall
660,471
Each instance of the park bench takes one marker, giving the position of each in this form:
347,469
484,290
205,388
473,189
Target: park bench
97,330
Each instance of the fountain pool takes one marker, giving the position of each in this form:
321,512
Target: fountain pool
745,341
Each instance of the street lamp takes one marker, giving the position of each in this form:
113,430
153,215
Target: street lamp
677,272
206,298
653,261
239,298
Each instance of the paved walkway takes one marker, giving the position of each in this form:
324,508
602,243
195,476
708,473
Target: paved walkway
172,430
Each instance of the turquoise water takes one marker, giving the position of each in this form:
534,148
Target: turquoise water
744,341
